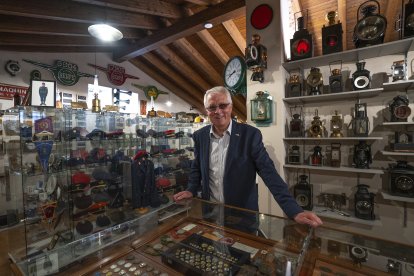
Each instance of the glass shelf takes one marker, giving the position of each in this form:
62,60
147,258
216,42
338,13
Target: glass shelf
335,169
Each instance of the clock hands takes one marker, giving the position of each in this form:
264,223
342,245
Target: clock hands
234,71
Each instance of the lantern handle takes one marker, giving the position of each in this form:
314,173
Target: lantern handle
359,8
334,62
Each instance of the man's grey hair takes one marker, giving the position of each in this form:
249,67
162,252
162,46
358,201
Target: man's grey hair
217,90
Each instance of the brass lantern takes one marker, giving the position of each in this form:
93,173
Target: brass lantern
294,85
314,82
316,129
261,109
336,125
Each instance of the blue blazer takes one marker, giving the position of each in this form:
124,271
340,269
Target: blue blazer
246,155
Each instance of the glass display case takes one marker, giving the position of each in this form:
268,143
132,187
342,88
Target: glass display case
75,174
197,237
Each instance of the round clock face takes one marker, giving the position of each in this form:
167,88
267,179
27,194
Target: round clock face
234,72
404,183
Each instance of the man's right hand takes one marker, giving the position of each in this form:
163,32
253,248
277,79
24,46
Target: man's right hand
182,195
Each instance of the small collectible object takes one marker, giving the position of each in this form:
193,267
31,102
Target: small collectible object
261,109
316,158
332,34
360,121
364,203
336,126
296,124
335,79
316,130
401,179
361,77
303,193
256,58
370,29
301,45
399,109
335,155
294,156
399,70
314,82
362,155
294,85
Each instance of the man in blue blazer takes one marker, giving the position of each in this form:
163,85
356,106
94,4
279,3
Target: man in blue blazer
227,157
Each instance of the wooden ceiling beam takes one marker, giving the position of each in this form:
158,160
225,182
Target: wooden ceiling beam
23,25
199,2
47,40
211,42
174,88
235,35
153,7
182,66
209,71
224,11
77,12
342,18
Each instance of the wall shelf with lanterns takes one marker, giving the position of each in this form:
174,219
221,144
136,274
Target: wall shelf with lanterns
325,212
397,123
334,169
343,96
329,139
387,196
402,85
390,48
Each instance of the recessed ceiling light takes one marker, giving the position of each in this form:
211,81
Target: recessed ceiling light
208,25
105,32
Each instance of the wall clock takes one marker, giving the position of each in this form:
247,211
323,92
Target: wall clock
234,75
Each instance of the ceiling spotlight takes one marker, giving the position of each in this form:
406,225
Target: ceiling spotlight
105,32
208,25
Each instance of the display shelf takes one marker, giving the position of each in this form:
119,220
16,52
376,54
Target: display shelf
390,48
342,96
397,153
334,169
333,139
402,85
388,196
325,212
397,123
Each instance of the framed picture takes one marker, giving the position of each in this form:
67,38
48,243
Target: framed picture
43,93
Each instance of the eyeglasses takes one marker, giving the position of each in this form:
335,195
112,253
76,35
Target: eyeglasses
213,108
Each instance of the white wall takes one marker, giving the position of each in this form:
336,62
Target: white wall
390,213
81,59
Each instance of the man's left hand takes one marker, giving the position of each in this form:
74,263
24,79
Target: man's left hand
308,218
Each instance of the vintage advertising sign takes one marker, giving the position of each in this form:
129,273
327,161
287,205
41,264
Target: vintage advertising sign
7,91
116,74
65,73
150,91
